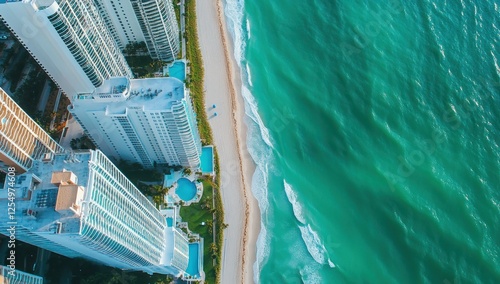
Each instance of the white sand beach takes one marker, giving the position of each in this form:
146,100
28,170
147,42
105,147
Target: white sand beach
222,88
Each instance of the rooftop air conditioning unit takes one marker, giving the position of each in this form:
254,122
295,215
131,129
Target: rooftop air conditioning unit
47,157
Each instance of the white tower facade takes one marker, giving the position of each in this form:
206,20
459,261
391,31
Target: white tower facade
120,18
9,276
81,205
68,39
148,121
151,21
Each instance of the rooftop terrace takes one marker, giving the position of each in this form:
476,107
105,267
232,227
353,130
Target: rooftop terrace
150,94
37,196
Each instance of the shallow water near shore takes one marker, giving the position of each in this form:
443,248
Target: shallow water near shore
375,130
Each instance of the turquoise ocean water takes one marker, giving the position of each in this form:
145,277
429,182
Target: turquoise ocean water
375,126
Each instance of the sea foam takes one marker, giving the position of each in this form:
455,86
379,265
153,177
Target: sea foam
310,274
233,10
237,24
249,75
251,110
261,154
314,245
296,206
259,146
249,34
259,190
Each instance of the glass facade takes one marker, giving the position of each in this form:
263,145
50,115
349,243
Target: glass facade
185,134
118,219
159,25
19,277
159,129
135,140
181,251
82,29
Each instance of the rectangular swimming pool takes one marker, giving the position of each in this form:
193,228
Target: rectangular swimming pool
207,160
170,221
193,268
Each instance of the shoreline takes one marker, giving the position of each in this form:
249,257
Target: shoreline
223,84
248,166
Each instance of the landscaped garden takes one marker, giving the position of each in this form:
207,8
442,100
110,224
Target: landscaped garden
200,219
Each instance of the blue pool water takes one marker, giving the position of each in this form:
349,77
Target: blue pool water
178,70
186,189
207,160
192,268
170,221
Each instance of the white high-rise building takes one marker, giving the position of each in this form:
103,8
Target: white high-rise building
81,205
151,21
121,21
68,39
159,25
22,140
16,276
149,121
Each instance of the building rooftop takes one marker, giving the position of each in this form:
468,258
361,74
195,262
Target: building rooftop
63,177
149,94
68,197
8,1
171,232
115,85
40,193
41,4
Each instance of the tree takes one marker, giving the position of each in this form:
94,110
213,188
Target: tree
210,226
122,277
157,189
158,200
213,248
155,66
83,142
74,143
205,204
166,280
135,172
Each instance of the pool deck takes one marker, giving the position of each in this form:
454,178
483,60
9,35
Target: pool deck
174,222
173,70
170,181
199,274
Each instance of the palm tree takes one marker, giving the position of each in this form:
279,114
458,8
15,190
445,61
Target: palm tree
210,226
213,248
157,190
